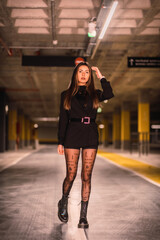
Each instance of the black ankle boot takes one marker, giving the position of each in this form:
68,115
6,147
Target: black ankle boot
63,209
83,223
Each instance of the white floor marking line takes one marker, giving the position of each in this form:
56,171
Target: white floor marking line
13,162
128,169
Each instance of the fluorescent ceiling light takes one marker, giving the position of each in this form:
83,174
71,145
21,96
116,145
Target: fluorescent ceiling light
155,126
108,19
46,119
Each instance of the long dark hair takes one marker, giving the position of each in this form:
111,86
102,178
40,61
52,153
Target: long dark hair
73,87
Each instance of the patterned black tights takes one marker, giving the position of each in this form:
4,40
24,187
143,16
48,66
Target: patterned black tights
88,159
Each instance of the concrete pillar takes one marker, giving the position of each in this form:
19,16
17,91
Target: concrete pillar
2,120
106,132
21,120
12,129
36,138
144,116
125,126
116,128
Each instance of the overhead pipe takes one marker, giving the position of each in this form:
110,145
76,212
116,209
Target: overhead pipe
42,47
54,40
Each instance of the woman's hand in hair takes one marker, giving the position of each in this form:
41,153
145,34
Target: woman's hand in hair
98,73
60,149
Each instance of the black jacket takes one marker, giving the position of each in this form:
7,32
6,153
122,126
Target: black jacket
77,134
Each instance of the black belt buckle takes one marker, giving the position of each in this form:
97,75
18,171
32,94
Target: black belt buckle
88,120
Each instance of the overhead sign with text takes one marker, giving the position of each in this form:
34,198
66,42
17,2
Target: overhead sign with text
144,62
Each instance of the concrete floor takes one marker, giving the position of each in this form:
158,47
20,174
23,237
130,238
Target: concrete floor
123,206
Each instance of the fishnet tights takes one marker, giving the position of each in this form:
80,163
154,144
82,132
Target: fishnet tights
88,159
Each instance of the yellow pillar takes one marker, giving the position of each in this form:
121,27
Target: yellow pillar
21,120
116,128
144,120
125,126
12,129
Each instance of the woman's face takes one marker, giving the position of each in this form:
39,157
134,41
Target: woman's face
83,75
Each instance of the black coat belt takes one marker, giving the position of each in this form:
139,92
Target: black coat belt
85,120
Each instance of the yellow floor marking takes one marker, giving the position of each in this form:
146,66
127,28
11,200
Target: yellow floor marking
141,168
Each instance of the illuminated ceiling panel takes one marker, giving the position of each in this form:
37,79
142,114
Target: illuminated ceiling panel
65,31
130,13
123,23
28,13
33,30
139,4
121,31
150,31
157,16
30,23
74,13
72,23
82,31
26,3
76,31
76,4
154,23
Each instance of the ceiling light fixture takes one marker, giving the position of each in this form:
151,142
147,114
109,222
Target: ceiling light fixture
108,19
105,26
155,126
35,125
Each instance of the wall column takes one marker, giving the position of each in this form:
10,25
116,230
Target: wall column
106,129
125,126
143,117
21,121
27,132
32,131
12,129
2,120
36,138
116,128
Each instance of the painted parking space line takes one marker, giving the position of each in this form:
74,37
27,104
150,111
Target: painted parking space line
144,170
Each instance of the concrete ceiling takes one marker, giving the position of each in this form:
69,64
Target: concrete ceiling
59,28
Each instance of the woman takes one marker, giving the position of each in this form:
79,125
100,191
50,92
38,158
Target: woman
78,130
